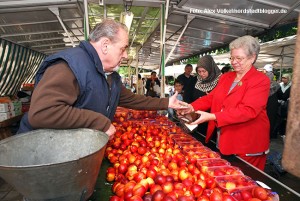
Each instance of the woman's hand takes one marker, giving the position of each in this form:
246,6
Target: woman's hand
185,109
204,117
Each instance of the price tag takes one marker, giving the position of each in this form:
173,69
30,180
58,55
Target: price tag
263,184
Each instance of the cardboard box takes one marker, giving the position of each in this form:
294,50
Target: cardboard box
7,115
18,109
18,112
6,107
17,104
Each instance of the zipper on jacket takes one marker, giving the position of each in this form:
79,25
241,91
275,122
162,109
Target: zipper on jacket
109,93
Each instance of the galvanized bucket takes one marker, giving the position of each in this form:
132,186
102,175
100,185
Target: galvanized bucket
48,165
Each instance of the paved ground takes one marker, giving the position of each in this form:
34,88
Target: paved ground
289,180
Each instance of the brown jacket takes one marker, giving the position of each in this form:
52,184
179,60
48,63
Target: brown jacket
52,100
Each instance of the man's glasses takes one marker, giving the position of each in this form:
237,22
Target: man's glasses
238,59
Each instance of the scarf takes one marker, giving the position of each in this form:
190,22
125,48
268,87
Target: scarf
285,87
274,85
214,74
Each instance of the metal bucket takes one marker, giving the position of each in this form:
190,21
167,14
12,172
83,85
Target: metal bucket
48,165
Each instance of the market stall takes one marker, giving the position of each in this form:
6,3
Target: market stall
31,30
106,189
103,188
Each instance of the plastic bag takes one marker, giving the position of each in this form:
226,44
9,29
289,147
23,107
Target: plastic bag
156,88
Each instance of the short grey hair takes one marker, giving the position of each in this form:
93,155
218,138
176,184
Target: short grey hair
247,43
107,28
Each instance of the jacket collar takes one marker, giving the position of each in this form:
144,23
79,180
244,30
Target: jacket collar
246,76
243,80
90,50
249,73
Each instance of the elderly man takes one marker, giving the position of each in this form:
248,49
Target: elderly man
80,88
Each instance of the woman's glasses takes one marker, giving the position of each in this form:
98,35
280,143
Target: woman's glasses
238,59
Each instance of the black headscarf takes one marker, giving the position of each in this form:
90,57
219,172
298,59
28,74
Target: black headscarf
214,73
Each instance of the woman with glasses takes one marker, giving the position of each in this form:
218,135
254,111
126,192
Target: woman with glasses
238,106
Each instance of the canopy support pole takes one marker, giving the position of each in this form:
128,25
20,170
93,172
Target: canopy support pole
137,71
189,19
281,54
86,20
55,11
163,28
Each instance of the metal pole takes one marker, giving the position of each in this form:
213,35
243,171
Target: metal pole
104,11
86,20
182,32
55,11
280,72
137,71
291,156
166,19
129,76
162,46
163,27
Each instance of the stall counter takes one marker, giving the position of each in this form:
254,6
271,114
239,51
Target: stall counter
103,188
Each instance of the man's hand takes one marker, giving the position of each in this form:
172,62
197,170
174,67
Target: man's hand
111,131
175,103
204,117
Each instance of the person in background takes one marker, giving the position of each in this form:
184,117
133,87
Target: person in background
126,83
188,80
283,99
151,83
208,75
140,87
178,86
226,69
80,88
238,106
272,104
133,88
144,85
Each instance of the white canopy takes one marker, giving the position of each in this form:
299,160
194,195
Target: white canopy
278,52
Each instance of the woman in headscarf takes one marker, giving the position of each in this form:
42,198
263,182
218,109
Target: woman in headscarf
208,74
285,86
283,99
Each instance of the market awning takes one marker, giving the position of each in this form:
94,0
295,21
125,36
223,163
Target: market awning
279,53
48,26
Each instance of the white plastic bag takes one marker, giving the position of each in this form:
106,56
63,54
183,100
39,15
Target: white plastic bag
156,88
